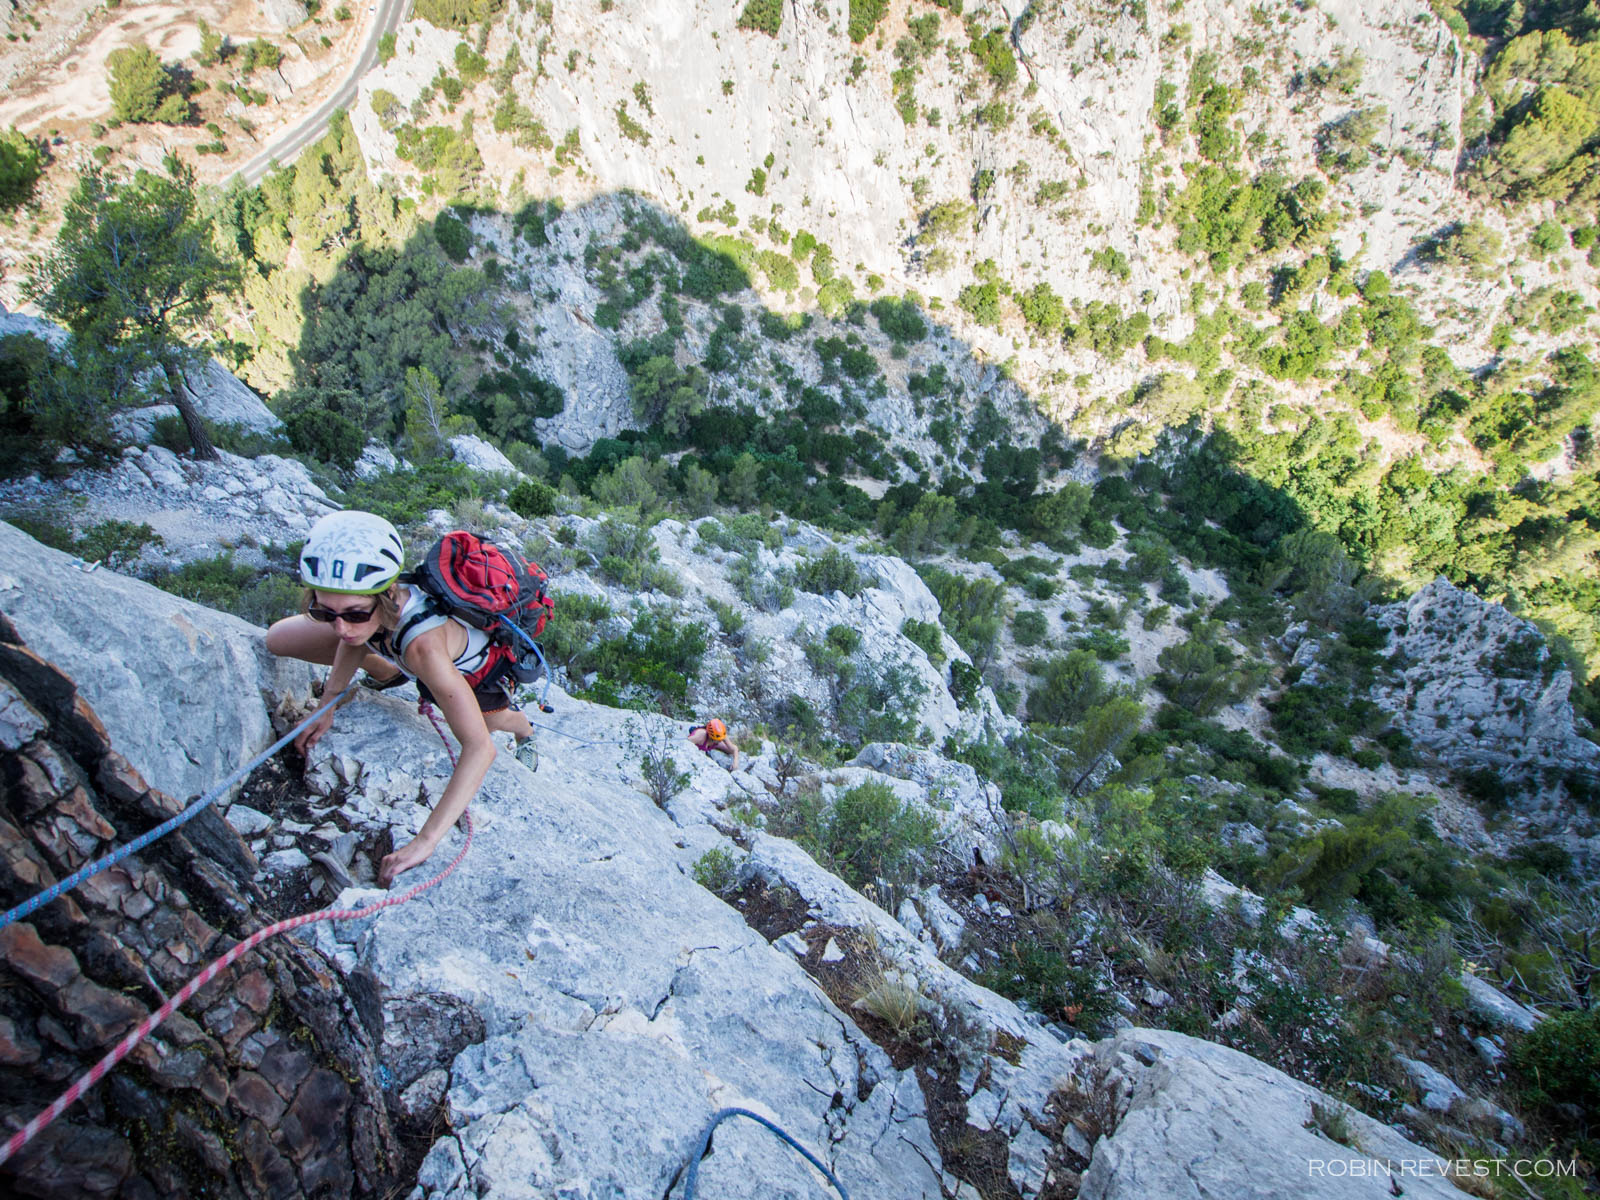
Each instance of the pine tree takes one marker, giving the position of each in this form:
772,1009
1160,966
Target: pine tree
132,269
139,85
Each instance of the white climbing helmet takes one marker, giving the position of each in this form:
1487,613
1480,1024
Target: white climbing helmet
358,553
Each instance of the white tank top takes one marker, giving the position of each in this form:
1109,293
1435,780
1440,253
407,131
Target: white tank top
469,660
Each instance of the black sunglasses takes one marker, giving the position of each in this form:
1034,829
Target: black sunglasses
350,616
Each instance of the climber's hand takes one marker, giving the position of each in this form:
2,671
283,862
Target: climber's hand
413,854
312,733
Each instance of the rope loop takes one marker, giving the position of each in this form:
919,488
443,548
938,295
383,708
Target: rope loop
717,1119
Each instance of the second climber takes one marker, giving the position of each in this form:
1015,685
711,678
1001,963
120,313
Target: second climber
713,735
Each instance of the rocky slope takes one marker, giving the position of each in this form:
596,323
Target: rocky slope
1481,689
573,971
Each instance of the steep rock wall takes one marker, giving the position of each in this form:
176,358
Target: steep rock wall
265,1086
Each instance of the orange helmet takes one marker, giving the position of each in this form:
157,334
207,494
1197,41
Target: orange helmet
716,730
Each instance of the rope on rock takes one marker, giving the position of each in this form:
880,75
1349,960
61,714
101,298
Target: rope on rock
582,743
147,1026
166,827
717,1119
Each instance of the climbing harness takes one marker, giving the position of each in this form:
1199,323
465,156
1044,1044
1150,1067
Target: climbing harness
717,1119
145,1027
166,827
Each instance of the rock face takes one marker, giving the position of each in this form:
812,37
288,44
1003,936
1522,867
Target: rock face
281,14
795,132
178,686
263,1086
479,455
1193,1119
1480,689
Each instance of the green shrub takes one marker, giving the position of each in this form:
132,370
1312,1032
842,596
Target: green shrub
832,571
629,557
965,680
871,835
246,592
1341,74
458,14
763,16
741,532
759,588
1072,684
116,543
575,628
1103,644
453,236
982,301
972,610
326,436
864,17
900,319
142,89
405,497
729,618
631,129
530,499
651,665
993,51
927,636
1040,974
1345,144
716,870
1560,1062
1028,627
21,164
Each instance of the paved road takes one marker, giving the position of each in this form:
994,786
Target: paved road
287,145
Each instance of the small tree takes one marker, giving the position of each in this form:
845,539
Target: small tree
1072,685
133,268
142,89
429,422
21,163
1101,734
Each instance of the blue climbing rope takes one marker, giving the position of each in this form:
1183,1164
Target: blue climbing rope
718,1118
166,827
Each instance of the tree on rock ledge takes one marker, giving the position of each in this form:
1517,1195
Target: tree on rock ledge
133,267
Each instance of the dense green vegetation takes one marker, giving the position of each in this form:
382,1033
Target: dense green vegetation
143,89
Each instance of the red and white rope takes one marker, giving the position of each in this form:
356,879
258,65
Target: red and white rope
147,1026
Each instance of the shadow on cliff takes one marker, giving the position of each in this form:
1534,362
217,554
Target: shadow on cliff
435,337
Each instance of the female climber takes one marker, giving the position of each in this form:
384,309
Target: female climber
354,604
713,735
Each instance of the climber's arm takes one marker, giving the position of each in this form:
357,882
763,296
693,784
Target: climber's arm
429,657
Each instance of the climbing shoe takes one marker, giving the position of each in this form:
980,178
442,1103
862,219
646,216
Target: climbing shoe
527,753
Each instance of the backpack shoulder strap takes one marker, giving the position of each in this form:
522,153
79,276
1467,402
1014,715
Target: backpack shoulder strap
429,615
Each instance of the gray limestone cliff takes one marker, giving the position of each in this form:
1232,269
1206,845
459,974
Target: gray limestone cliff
1477,686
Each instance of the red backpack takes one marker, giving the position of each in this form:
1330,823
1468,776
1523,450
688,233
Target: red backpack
497,591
